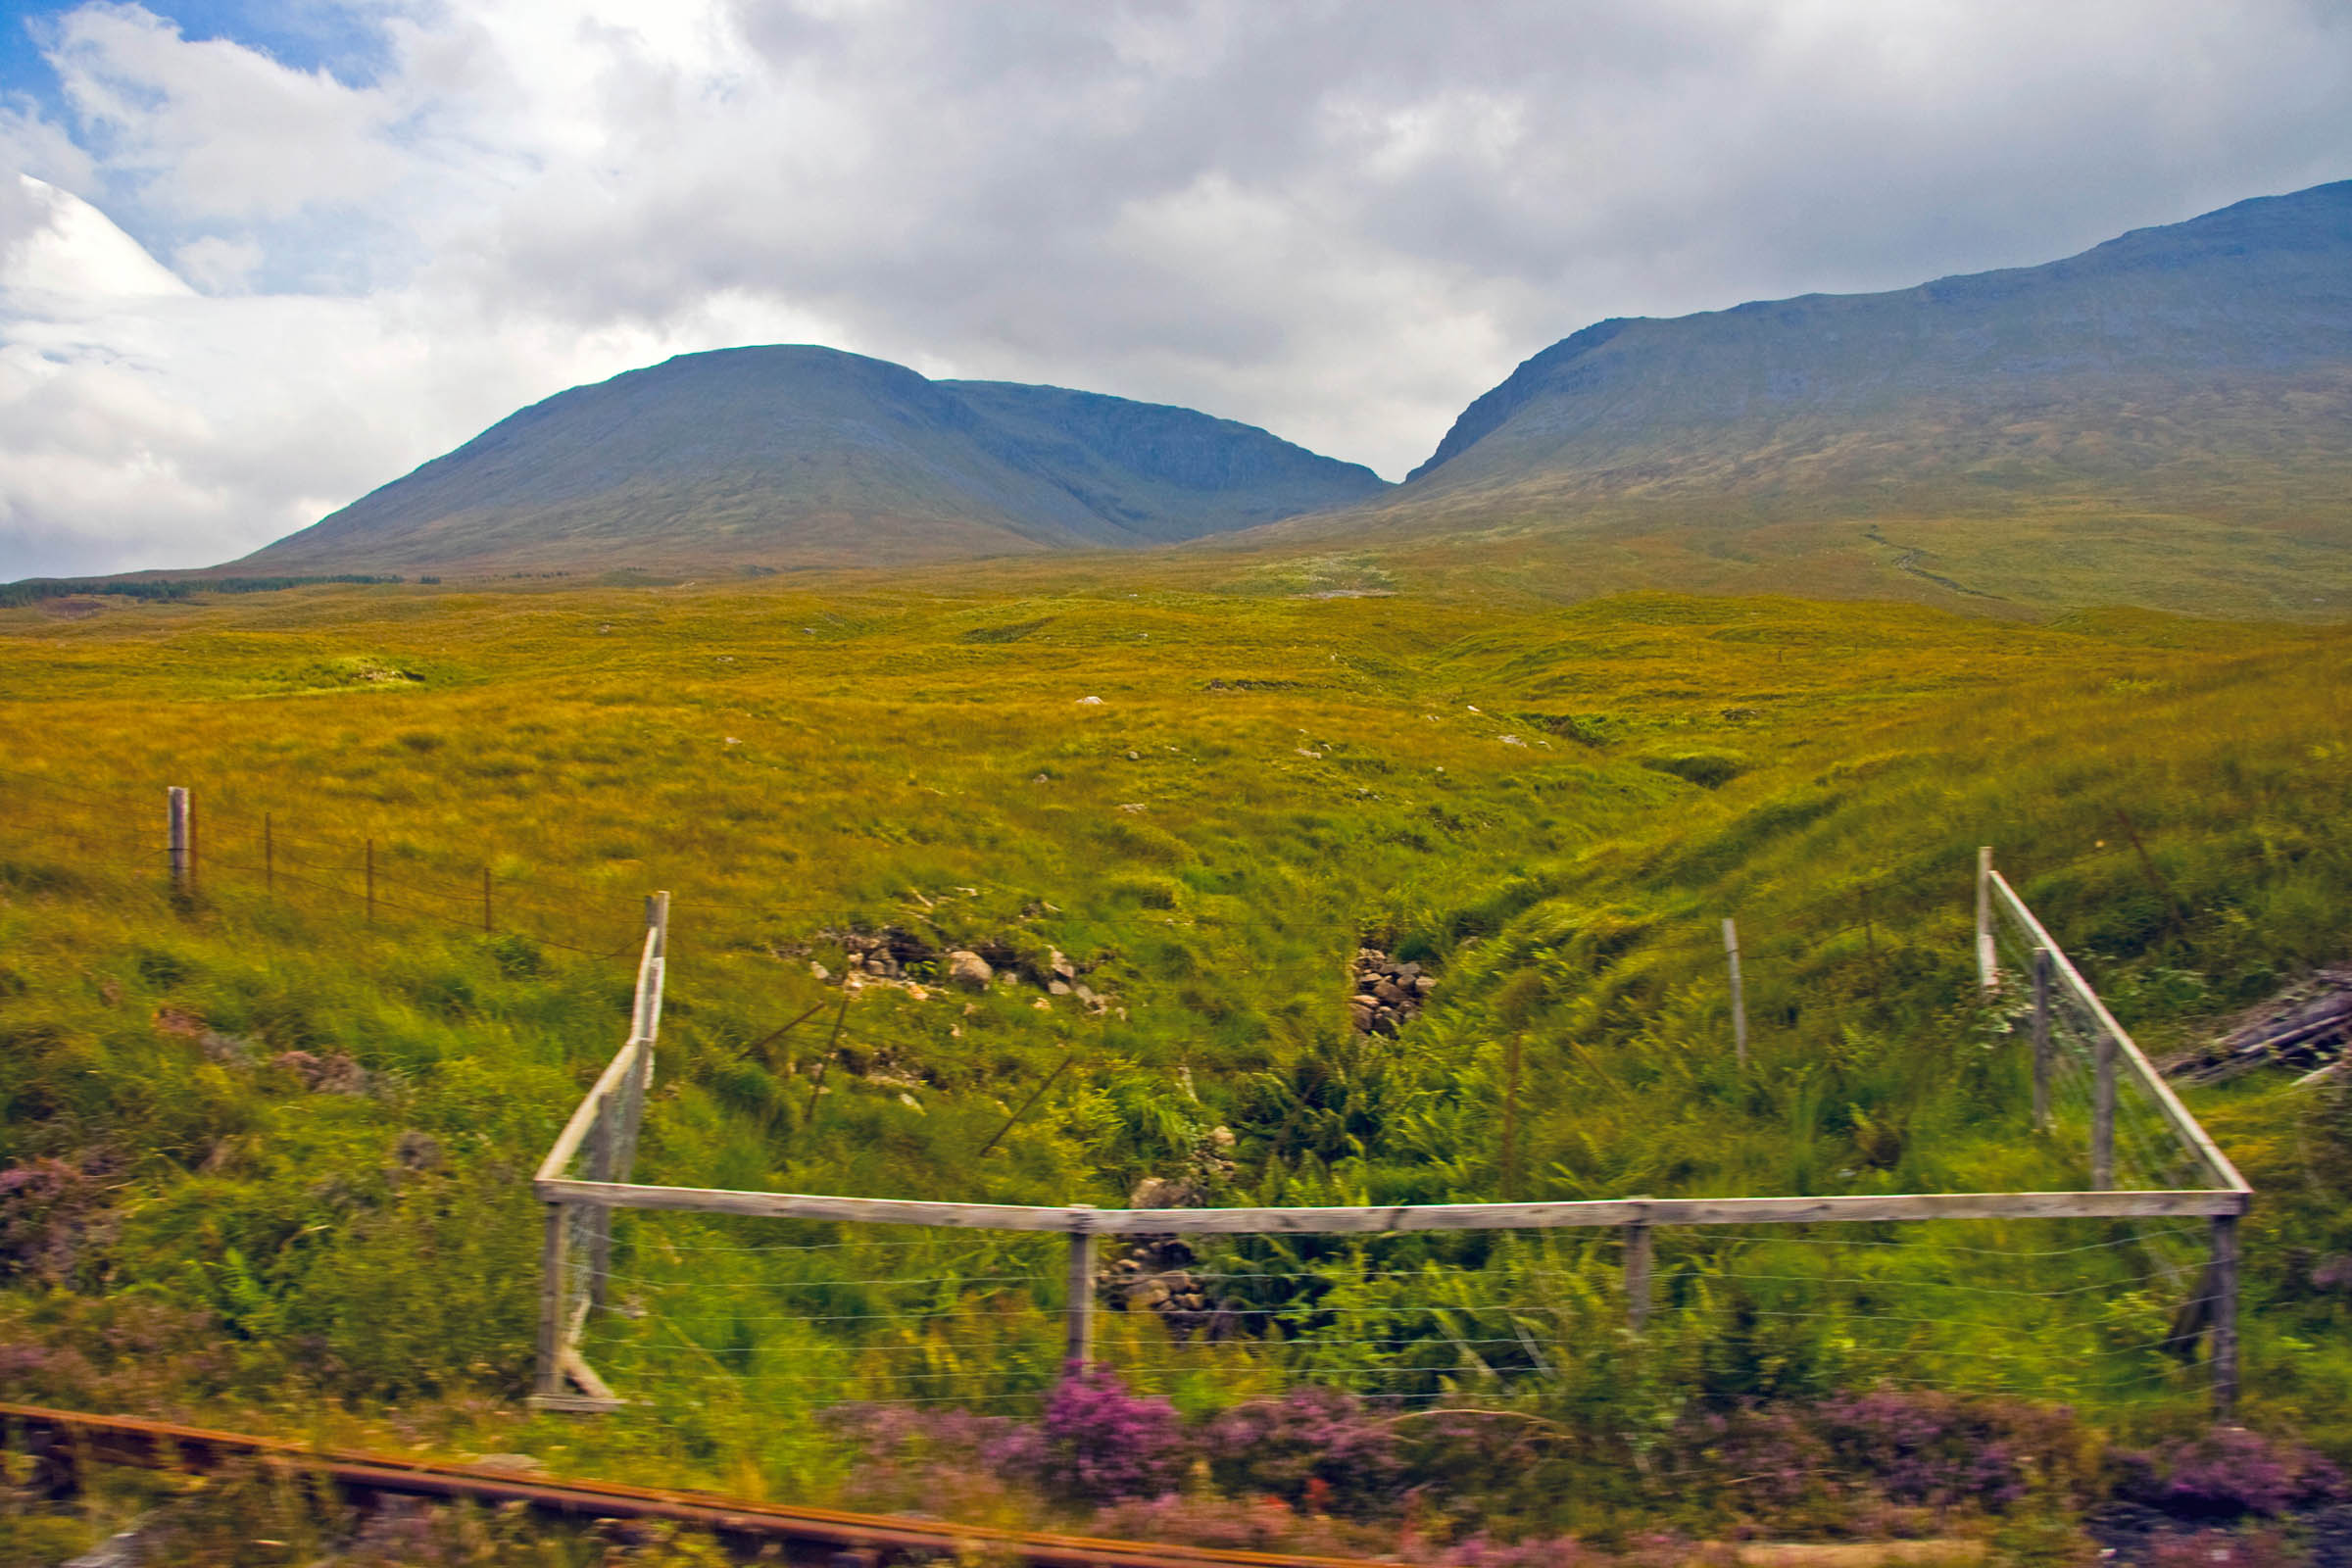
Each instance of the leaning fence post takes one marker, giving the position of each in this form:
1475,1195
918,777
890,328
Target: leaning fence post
2102,1115
2224,1317
1636,1274
2041,1039
175,821
1987,967
1078,1316
1731,947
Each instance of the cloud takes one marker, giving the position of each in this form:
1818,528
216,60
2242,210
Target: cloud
1342,220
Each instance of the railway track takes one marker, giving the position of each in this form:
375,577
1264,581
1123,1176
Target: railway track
62,1441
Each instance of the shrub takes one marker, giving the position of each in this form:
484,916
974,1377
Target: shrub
2229,1474
1316,1447
1099,1443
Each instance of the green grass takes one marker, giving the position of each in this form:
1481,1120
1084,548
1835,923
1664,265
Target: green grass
1559,803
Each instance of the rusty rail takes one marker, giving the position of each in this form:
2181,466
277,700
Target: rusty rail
63,1439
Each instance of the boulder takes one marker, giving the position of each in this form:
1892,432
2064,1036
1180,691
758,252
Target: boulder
969,970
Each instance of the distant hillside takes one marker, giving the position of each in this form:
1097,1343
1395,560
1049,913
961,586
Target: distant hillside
793,455
2200,371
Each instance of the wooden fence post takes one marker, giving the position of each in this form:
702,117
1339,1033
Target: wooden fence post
175,827
2042,1040
1989,973
552,1260
2225,1318
2102,1115
1078,1315
1636,1275
1731,947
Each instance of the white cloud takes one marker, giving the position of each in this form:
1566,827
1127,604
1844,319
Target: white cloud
1342,220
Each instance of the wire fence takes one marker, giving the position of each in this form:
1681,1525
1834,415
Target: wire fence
2050,1309
60,829
2112,1283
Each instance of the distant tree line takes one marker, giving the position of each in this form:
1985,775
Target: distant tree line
33,590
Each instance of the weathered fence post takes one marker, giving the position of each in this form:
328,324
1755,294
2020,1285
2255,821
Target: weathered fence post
1989,971
1636,1275
2102,1114
2224,1317
552,1248
2042,1040
1078,1316
1731,947
176,821
486,926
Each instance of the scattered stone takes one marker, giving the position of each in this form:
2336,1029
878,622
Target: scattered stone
1057,988
1042,1004
1135,756
819,971
969,970
1388,994
1090,702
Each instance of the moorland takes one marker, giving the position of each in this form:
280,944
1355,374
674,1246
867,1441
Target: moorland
266,1144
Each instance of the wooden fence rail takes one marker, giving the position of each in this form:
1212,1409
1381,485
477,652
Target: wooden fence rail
599,1140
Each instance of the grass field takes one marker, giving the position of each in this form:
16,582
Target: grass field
268,1158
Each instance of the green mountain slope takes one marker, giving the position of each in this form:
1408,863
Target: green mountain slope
794,455
2118,418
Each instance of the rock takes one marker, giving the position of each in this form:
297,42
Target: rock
969,970
1387,991
1424,985
1090,702
1060,964
1042,1004
1057,988
1222,1137
819,971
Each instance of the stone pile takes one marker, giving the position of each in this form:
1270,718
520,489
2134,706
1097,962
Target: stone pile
1156,1275
1388,994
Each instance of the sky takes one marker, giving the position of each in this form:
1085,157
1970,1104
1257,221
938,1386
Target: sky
260,257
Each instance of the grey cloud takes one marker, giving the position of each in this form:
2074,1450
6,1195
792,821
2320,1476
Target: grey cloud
1342,220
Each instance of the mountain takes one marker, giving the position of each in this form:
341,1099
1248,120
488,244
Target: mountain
796,455
2194,376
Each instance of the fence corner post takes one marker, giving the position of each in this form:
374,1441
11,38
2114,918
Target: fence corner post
1989,973
2225,1318
1078,1318
552,1266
